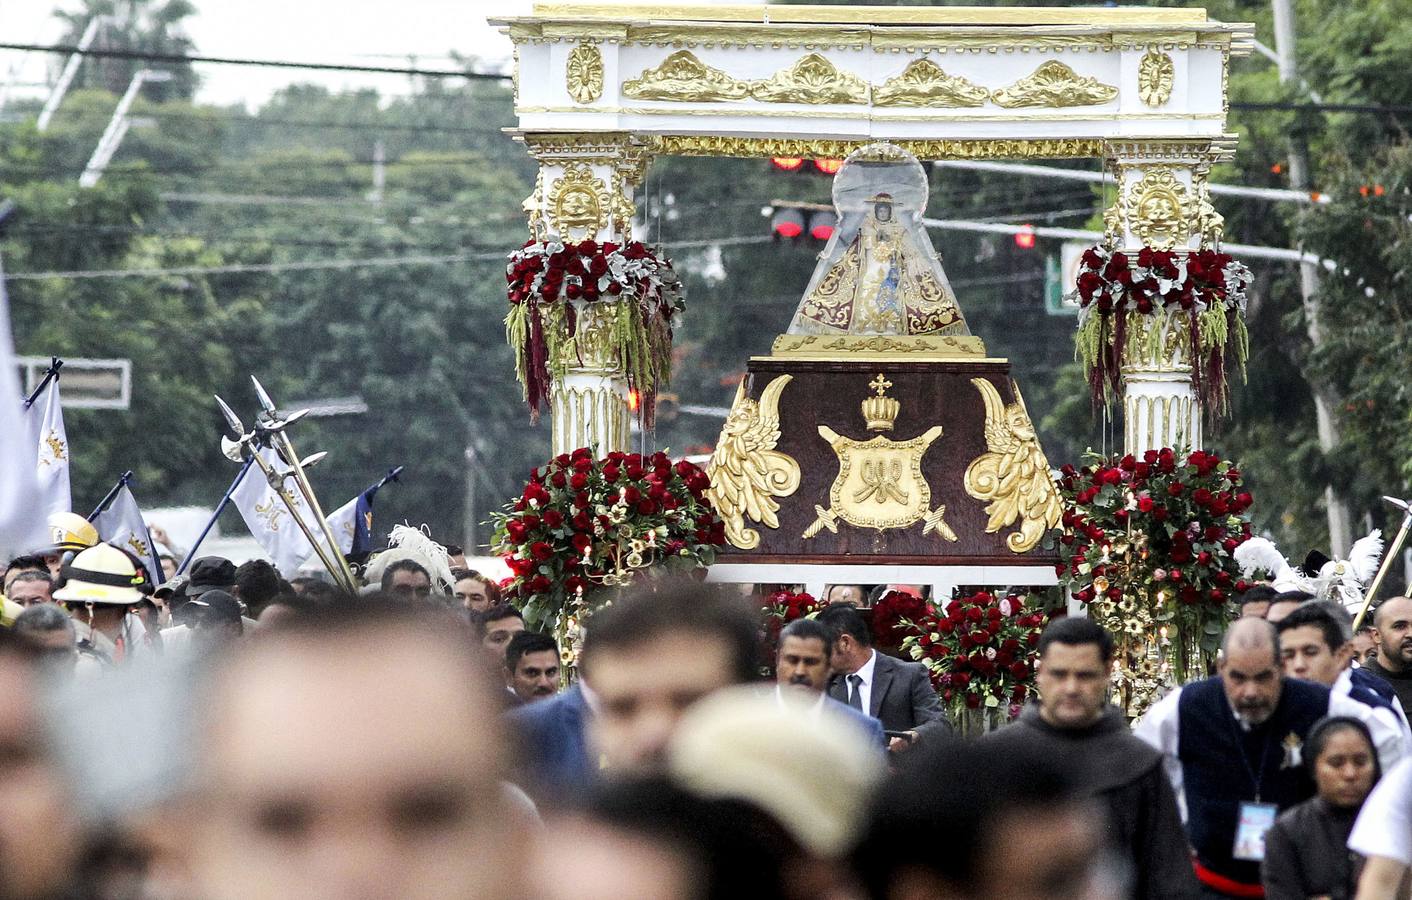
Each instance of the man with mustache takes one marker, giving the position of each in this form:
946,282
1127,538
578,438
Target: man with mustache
1392,622
532,667
802,664
1232,751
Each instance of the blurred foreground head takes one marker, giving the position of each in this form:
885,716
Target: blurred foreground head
963,823
353,752
648,657
39,833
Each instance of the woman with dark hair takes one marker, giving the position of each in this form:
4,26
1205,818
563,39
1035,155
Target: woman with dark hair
1306,851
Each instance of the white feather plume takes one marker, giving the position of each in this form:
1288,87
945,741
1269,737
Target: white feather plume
1367,552
406,542
1260,554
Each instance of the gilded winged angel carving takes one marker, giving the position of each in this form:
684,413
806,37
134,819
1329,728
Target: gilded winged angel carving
1014,475
747,472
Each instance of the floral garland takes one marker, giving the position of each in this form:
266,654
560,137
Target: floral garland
1151,544
894,615
980,651
1203,291
551,283
582,525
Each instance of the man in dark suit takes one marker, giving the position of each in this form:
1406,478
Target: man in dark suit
899,694
802,664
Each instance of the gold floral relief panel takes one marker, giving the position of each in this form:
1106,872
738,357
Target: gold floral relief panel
683,77
1055,85
924,83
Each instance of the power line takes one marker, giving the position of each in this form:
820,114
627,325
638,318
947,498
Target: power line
1286,106
180,59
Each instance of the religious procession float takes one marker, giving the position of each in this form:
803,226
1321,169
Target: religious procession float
878,442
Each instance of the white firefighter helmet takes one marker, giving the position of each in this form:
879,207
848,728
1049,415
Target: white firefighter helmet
102,574
71,531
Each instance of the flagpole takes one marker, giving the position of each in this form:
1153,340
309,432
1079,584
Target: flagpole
390,476
220,508
103,504
55,364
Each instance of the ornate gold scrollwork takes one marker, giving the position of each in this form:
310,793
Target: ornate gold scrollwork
583,73
533,207
814,80
1013,474
747,472
924,83
1054,84
1155,75
753,147
1208,224
1156,208
578,201
683,77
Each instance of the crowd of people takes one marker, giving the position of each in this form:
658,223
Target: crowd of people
233,734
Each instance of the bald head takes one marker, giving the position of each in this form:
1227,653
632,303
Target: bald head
1393,625
354,755
1252,635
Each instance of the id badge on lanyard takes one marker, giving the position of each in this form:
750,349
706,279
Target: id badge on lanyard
1256,820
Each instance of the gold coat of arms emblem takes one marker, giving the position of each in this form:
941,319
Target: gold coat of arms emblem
880,483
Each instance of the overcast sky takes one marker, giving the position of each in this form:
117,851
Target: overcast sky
368,32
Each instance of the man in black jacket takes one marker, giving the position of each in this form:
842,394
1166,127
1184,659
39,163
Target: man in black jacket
1073,723
897,693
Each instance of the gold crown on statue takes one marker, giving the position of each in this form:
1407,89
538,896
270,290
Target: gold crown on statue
880,411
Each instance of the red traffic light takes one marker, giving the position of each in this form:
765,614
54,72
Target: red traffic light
1024,238
821,225
787,223
786,163
828,166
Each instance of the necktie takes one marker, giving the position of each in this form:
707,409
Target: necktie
855,692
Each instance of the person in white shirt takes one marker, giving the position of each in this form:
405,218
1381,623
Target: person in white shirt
802,665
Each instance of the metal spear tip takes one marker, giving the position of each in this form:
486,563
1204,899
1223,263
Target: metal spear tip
271,424
313,459
231,418
1400,504
266,403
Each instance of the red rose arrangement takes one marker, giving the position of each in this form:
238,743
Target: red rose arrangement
893,616
1203,292
980,650
1150,542
781,608
552,283
582,525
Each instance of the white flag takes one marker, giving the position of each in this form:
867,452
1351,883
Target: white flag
121,525
52,444
22,525
267,517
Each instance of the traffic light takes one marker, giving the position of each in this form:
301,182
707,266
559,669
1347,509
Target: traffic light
787,163
828,166
822,225
1024,238
787,223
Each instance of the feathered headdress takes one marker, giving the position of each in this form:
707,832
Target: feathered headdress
1260,559
1345,580
406,542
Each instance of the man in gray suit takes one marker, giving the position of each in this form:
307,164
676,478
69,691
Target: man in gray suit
803,664
897,693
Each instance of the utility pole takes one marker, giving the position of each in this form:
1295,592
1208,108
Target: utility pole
472,544
1325,400
117,128
379,173
61,87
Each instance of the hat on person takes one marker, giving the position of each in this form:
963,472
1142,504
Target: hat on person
102,575
768,748
210,573
70,532
171,585
216,607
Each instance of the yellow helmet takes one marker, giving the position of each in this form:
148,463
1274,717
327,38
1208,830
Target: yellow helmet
71,531
102,574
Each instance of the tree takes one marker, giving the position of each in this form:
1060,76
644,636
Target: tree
140,26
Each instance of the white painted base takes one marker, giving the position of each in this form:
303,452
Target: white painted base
590,410
1160,409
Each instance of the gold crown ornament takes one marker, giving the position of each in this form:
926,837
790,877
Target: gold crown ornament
880,411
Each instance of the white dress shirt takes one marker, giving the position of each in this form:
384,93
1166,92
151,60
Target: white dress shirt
865,689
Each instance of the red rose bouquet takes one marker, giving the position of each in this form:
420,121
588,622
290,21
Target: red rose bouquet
1150,543
893,616
1201,294
582,525
980,650
781,608
632,292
